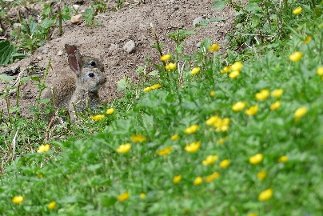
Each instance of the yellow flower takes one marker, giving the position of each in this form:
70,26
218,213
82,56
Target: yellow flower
138,138
239,106
165,151
237,66
175,137
212,177
308,39
195,71
225,164
125,148
226,69
123,197
220,124
165,58
296,56
277,93
170,66
275,106
192,129
209,160
256,159
283,159
52,205
193,147
212,93
109,111
300,112
198,180
43,148
214,48
142,196
261,175
17,199
252,110
234,74
262,95
319,71
265,195
97,117
177,179
153,87
297,10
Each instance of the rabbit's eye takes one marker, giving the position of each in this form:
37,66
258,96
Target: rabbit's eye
92,63
91,74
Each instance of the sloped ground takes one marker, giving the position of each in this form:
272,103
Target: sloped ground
114,29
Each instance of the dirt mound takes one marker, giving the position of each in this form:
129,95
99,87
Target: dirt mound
114,29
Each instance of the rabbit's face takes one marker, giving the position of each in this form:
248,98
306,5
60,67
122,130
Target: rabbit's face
91,76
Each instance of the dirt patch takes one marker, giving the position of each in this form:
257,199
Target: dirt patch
114,29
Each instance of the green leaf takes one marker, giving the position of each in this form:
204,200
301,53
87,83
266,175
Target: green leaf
6,52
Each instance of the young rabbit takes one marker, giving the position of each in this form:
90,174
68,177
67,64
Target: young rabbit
77,95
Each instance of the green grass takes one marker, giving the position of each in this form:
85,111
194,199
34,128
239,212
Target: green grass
85,174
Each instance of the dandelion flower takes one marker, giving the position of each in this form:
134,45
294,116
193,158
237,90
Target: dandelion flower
125,148
300,112
151,88
198,180
138,138
214,48
212,93
209,160
195,71
277,93
225,164
174,137
123,197
262,95
17,199
192,129
177,179
165,151
43,148
212,177
319,71
170,66
165,58
52,205
297,10
283,159
265,195
252,110
308,39
142,196
234,74
110,111
226,69
97,117
261,175
239,106
296,56
256,159
237,66
275,106
193,147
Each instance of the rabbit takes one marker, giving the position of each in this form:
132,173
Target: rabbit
78,94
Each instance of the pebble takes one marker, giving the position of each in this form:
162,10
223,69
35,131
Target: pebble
197,21
77,19
60,52
130,46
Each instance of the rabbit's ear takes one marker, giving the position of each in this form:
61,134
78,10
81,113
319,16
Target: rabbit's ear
74,58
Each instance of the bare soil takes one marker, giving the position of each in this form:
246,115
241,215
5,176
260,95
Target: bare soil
114,28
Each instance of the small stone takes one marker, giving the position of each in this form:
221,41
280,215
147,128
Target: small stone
16,25
39,58
60,52
77,19
76,7
198,45
197,21
44,50
130,46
